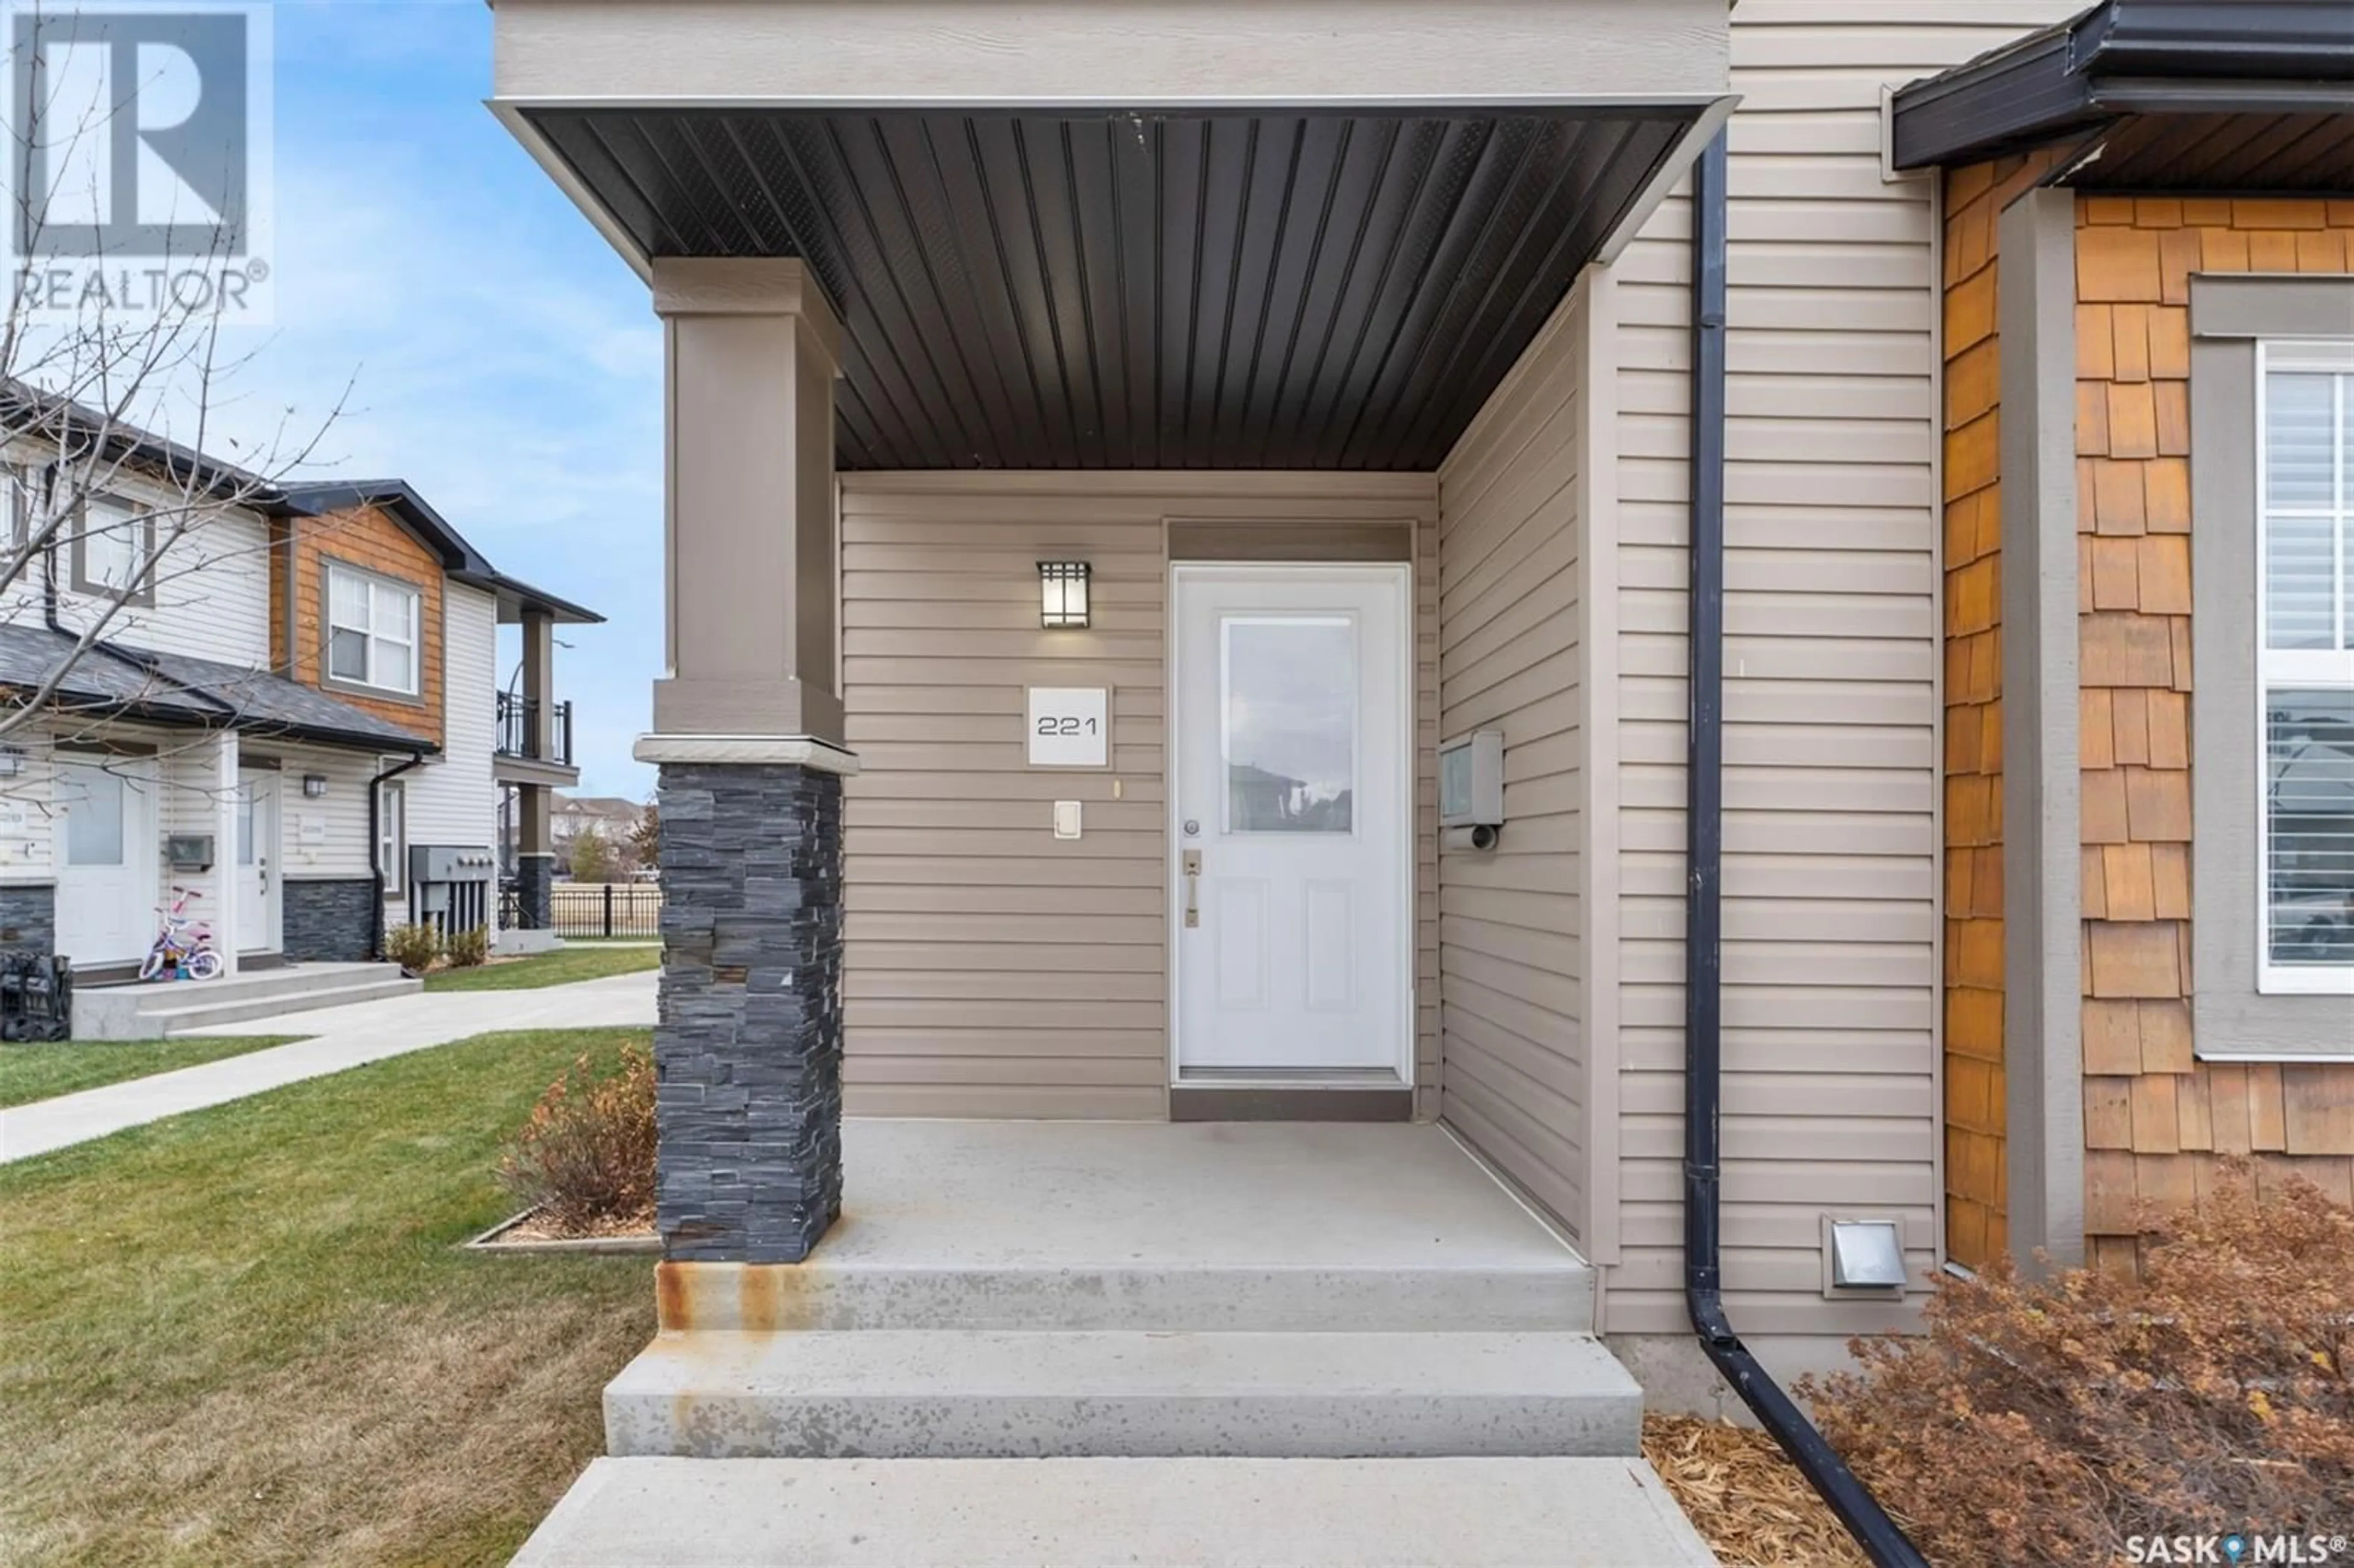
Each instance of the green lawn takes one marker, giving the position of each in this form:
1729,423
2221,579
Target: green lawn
246,1335
29,1072
559,968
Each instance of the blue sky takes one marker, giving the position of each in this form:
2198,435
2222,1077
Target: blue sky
501,358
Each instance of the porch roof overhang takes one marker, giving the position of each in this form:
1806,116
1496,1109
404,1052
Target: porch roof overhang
2251,97
106,681
1313,285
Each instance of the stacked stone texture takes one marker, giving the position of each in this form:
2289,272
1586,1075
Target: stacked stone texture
749,1051
535,890
28,919
330,922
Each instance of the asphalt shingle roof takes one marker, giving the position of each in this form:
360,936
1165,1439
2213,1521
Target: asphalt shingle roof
174,688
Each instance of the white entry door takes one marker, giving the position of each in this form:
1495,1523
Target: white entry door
106,858
1291,832
256,861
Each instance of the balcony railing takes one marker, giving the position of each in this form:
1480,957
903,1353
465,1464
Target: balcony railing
519,730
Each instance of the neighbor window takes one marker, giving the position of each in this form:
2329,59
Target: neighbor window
391,834
371,630
2305,665
113,550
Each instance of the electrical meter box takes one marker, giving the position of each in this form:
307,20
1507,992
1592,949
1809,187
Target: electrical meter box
1472,780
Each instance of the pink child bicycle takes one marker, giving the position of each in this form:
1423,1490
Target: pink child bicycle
184,947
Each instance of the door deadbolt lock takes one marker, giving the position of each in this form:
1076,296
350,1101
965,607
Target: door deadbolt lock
1193,868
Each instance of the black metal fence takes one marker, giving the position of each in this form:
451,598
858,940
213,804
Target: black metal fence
606,910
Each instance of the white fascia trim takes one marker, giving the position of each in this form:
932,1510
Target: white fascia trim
1679,159
790,750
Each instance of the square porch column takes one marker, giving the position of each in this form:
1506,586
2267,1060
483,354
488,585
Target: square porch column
228,795
748,735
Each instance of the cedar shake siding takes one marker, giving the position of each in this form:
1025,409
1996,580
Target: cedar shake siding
368,538
2156,1117
990,970
1975,1176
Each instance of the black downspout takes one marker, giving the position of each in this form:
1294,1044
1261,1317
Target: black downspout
1878,1534
376,846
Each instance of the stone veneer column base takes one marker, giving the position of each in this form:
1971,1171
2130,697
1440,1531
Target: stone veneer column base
28,918
748,1052
536,891
329,922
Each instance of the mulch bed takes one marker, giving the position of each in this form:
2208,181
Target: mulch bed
1747,1500
538,1226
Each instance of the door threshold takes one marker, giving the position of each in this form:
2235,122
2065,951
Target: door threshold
1350,1079
1368,1095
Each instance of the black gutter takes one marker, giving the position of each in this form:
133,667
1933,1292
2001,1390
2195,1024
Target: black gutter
1878,1534
375,845
2129,57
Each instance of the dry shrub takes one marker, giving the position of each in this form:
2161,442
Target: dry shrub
413,948
468,950
2047,1421
586,1157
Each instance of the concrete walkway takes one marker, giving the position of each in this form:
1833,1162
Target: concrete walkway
343,1038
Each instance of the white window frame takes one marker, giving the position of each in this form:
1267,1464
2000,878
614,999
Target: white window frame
410,680
2297,669
391,848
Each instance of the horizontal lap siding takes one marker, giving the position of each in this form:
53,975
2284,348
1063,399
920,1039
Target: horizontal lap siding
1511,658
1832,667
989,970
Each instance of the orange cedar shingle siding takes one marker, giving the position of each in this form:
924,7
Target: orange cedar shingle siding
1976,1177
2155,1118
366,537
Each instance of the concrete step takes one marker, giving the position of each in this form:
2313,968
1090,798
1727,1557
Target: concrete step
838,1288
197,1020
1215,1513
987,1393
150,1009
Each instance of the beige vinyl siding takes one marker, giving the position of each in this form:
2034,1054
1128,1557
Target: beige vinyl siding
989,970
1511,658
1832,663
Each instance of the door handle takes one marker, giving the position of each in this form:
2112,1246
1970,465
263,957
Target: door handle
1192,862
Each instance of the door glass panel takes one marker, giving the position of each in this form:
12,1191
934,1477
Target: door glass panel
93,800
1291,717
245,825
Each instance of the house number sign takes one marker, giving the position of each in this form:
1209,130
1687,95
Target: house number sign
1070,726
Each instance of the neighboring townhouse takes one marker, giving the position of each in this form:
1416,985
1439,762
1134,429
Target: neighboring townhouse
291,716
1116,451
610,817
375,552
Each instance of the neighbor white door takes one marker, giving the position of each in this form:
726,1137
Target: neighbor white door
1291,831
256,861
106,858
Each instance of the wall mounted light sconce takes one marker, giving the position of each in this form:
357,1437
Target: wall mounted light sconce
315,785
1062,594
12,761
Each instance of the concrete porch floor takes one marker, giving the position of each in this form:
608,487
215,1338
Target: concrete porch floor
1258,1225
